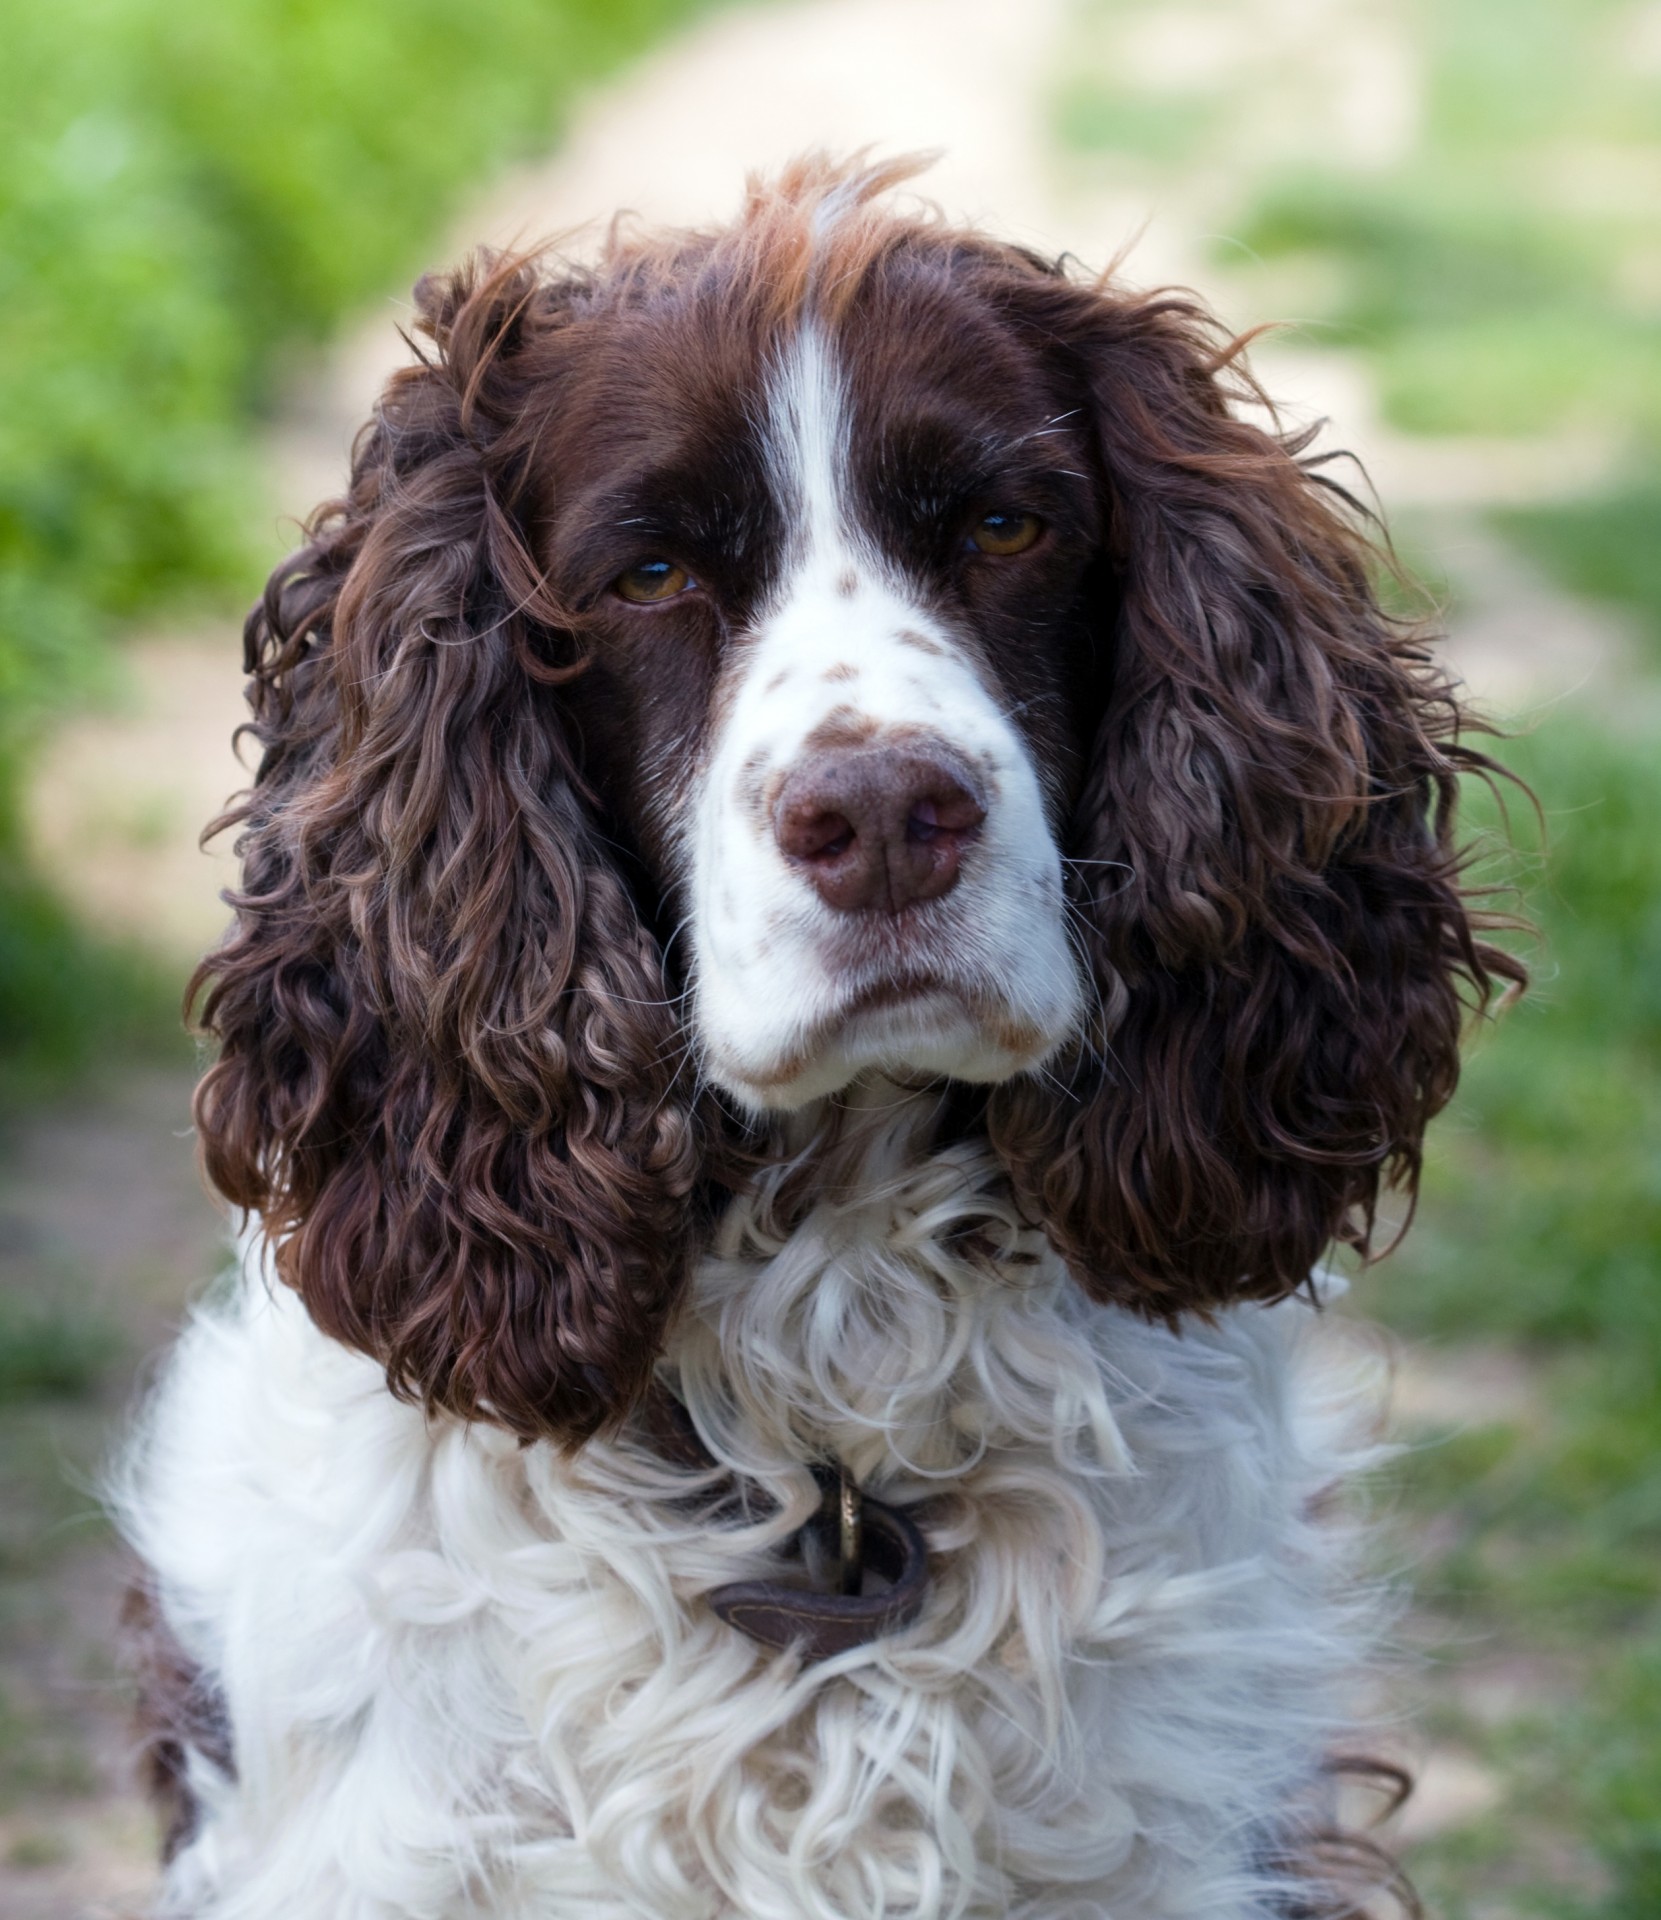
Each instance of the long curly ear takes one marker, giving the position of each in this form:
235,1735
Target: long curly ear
447,1065
1264,860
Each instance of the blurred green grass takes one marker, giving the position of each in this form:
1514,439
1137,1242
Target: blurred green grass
69,998
189,191
1608,546
62,1364
1481,315
1540,1229
1495,274
1506,277
1502,276
1552,1163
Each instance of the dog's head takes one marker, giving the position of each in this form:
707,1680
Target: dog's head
837,643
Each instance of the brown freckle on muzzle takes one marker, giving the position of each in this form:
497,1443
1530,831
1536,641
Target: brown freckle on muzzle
1019,1039
910,637
847,584
842,671
841,727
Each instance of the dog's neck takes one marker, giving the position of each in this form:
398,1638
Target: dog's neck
875,1297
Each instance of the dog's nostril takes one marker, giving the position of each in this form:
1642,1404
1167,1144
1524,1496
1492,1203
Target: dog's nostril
933,815
923,822
877,828
814,835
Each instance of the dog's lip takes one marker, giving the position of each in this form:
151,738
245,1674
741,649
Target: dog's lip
875,992
894,990
1001,1025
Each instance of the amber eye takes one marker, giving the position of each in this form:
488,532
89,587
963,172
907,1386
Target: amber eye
651,581
1003,533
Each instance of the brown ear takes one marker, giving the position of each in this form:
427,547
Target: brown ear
447,1064
1265,865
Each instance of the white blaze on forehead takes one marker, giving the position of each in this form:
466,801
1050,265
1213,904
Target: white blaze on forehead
848,647
807,451
850,636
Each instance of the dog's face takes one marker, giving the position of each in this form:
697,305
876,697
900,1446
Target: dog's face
832,643
833,590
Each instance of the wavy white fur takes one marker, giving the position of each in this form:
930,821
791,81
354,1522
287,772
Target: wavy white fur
467,1677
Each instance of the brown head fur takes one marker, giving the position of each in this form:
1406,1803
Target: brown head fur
449,1071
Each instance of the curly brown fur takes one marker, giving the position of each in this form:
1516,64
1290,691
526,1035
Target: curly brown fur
1346,1873
1265,859
447,1072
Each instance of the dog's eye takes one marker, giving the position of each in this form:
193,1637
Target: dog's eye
651,581
1005,532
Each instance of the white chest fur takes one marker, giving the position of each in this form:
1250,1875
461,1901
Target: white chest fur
468,1678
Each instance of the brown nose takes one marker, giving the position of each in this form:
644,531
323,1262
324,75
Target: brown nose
876,828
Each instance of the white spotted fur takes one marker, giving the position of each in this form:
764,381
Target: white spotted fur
471,1678
770,989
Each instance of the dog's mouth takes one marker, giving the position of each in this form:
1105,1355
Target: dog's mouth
921,1020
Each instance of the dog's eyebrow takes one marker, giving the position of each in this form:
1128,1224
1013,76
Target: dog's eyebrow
673,503
931,448
936,489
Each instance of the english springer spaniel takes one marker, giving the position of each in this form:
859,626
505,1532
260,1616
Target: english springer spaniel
847,885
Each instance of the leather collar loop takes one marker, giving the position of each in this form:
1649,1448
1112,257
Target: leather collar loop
861,1536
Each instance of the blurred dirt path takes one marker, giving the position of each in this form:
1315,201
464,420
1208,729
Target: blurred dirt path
103,1190
105,1226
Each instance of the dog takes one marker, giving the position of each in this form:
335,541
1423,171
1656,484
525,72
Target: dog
847,888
